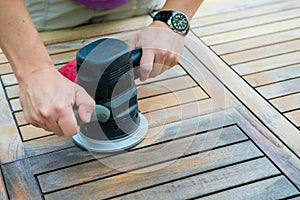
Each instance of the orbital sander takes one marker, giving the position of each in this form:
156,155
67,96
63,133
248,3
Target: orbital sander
106,70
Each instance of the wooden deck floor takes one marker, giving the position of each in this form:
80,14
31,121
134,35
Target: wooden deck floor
224,123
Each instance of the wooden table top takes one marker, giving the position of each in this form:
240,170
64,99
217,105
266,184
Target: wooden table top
223,124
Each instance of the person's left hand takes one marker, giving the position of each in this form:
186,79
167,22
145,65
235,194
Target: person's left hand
161,46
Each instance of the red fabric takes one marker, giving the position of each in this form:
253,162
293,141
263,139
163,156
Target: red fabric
68,70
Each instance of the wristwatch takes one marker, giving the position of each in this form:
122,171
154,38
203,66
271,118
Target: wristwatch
177,21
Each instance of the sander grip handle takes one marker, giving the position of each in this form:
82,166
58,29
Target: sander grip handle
136,56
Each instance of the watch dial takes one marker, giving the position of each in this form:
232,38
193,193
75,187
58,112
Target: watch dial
180,22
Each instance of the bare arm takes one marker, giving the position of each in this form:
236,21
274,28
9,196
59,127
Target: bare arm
47,98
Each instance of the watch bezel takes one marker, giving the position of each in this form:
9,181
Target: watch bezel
170,23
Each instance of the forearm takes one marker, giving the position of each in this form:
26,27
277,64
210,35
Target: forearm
189,7
20,40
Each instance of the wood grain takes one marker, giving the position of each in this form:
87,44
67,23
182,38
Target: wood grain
20,181
278,151
279,125
287,103
272,188
11,147
294,116
171,99
139,159
267,63
241,12
280,89
168,171
155,136
94,30
210,182
3,193
250,32
165,87
5,69
217,7
255,42
30,132
261,52
274,75
239,24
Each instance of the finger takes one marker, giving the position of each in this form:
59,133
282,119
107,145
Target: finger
132,42
158,64
146,65
85,104
67,123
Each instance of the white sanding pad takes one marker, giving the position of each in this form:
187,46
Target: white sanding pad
113,145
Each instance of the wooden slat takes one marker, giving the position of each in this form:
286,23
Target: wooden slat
279,125
181,112
47,145
15,104
127,162
168,171
30,132
20,118
274,75
204,20
5,69
12,91
20,181
281,154
164,87
61,47
174,72
11,147
294,116
262,52
280,89
3,59
94,30
273,188
247,22
3,194
267,63
172,99
204,184
155,136
9,79
255,42
287,103
250,32
220,6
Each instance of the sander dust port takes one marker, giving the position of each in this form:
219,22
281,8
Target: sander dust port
105,69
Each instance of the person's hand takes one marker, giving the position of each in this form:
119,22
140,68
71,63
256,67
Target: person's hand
47,99
161,46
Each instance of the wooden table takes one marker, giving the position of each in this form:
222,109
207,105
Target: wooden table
224,123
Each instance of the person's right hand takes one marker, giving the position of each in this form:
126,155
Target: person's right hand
47,99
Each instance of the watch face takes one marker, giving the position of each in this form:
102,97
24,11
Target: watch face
180,22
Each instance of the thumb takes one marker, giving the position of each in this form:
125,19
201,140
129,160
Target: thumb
85,104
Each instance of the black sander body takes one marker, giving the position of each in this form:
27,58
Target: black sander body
105,69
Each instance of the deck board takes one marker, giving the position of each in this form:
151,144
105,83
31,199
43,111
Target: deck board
3,193
272,188
223,123
216,180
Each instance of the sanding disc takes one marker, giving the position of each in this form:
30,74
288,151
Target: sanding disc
113,145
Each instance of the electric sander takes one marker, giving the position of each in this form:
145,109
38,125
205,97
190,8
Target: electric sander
106,70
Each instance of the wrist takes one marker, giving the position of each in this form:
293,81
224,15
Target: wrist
33,72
